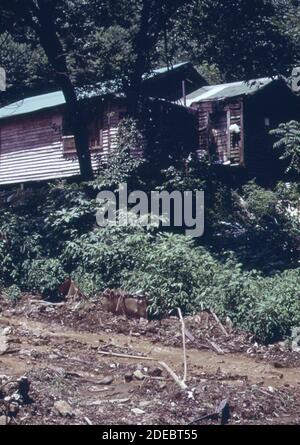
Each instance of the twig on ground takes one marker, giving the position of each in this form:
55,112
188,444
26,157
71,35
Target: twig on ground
46,303
183,345
213,416
133,357
215,347
150,359
190,336
219,323
88,421
119,303
222,413
179,382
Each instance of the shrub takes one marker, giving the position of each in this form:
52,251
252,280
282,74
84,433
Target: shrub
288,143
260,203
45,277
264,233
50,235
90,284
175,274
121,166
107,253
68,212
165,274
277,310
18,243
12,293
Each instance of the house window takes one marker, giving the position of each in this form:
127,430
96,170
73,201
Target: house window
96,135
95,129
69,148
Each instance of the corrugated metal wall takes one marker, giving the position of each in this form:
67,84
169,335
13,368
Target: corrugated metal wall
31,147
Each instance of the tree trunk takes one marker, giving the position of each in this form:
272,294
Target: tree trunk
79,127
52,46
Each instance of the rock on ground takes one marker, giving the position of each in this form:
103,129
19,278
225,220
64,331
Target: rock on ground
63,408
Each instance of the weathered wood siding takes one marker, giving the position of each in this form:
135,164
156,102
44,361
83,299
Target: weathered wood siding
204,110
219,135
32,149
112,116
39,146
236,117
255,115
215,138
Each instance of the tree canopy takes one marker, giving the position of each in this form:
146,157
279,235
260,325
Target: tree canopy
104,40
71,44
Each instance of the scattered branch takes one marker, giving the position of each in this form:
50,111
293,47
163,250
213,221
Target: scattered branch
132,357
182,385
215,347
219,323
183,345
179,382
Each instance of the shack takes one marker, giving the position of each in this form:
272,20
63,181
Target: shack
172,83
36,144
235,119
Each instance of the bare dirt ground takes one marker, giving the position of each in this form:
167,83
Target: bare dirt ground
59,349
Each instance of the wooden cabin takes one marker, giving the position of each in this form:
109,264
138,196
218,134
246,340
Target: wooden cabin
36,145
33,146
235,119
231,122
173,83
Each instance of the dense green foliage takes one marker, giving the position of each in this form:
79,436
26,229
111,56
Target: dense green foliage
248,283
240,39
247,265
288,145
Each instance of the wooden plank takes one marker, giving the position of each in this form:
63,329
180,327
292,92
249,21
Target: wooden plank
228,135
242,149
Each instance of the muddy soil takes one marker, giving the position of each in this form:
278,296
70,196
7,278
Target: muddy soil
70,353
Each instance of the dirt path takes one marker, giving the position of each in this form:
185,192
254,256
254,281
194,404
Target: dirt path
59,350
207,361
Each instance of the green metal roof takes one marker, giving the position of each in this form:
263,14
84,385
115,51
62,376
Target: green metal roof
166,69
228,90
49,100
32,104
